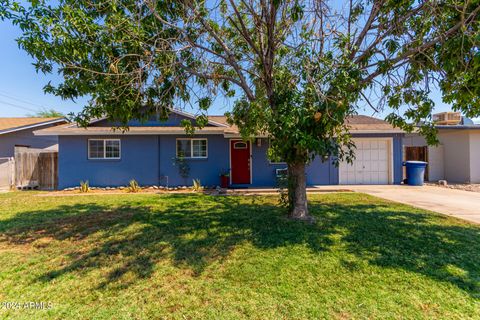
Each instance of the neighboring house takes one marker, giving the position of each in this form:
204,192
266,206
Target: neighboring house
456,158
18,132
146,152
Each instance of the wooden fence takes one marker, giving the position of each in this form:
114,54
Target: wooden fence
36,168
7,173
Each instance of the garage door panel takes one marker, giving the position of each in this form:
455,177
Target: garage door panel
371,164
382,166
366,154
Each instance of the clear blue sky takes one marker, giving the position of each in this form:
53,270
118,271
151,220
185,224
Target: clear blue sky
21,90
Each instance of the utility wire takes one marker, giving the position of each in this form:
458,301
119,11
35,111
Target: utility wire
17,106
13,97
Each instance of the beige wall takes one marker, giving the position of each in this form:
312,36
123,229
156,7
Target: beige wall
456,144
435,155
436,163
414,140
456,159
475,156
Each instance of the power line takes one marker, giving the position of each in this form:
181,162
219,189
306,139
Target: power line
13,97
17,106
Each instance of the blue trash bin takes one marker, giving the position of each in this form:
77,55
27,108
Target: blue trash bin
415,172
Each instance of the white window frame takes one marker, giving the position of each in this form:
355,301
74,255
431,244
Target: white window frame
191,147
105,149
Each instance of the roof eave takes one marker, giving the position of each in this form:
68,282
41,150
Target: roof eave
40,124
118,133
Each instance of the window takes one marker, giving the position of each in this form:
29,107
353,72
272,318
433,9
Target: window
192,148
240,145
104,149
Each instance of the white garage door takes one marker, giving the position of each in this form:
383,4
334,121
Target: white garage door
371,165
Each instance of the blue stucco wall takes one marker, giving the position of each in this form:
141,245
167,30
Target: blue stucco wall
150,160
397,158
264,172
139,160
207,170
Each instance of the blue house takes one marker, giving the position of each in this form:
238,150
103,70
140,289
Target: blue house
147,152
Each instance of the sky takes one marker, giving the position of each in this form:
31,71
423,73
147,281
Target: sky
21,88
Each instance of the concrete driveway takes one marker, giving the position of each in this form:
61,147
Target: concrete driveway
461,204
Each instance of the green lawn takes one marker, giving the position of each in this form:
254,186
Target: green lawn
195,256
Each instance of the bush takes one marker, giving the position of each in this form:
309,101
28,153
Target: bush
84,186
133,186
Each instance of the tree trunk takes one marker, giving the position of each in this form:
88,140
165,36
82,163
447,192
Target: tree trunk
297,192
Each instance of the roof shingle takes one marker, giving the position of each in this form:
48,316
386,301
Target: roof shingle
14,123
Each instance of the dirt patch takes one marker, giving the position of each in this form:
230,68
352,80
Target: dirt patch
63,193
474,187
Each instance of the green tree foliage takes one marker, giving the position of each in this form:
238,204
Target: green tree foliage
297,69
48,113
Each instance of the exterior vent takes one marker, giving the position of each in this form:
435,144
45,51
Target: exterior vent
281,172
447,118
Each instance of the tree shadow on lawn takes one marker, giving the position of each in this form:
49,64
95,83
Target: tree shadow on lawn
195,232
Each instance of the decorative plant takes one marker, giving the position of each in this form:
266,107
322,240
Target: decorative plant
183,167
84,186
197,185
225,173
133,186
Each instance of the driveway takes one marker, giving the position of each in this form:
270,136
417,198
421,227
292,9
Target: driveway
458,203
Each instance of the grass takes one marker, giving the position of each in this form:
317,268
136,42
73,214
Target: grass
196,256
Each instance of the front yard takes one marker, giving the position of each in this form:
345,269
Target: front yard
196,256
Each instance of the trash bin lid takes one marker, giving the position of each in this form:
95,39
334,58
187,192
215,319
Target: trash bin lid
416,162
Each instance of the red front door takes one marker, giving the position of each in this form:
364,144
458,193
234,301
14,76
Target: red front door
240,159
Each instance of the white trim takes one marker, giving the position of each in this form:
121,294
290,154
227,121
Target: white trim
40,124
105,149
230,159
191,147
390,157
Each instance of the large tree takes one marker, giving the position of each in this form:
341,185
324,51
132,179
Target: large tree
296,69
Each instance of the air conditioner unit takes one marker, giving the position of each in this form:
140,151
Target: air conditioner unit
447,118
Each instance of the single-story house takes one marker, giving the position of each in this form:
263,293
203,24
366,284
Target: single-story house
147,151
455,159
18,132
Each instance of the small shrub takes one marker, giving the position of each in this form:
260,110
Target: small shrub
183,167
133,186
197,185
84,186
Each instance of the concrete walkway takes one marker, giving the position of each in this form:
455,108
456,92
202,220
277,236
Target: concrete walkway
461,204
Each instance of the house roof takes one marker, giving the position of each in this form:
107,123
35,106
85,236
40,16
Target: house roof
366,124
358,124
68,130
8,125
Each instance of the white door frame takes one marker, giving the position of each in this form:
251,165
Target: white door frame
389,157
